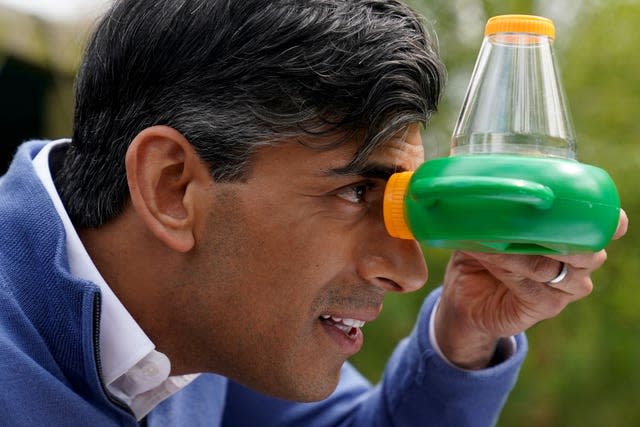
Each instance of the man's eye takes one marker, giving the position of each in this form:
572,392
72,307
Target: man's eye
355,193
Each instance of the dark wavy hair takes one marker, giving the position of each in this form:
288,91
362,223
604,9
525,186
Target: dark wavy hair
234,75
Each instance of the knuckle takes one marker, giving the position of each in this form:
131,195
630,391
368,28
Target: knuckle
556,306
601,257
544,269
586,287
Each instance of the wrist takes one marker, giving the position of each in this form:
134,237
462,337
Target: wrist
463,346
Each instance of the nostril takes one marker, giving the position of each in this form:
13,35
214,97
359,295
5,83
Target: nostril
410,283
390,285
399,268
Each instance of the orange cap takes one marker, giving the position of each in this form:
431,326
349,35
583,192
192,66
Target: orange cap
520,24
393,205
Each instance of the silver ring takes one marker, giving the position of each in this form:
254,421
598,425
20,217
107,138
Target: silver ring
560,277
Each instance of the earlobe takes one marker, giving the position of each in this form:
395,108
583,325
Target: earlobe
162,169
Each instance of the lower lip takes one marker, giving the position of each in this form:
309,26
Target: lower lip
348,345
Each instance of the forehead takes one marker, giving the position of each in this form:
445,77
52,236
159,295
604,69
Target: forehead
404,151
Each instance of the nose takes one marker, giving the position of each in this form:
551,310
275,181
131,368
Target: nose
396,265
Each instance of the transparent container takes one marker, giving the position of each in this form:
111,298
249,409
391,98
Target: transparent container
515,102
512,183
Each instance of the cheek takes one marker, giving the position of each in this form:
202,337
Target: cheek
267,264
266,272
294,243
292,264
271,261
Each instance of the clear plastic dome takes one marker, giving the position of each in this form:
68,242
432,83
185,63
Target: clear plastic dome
515,102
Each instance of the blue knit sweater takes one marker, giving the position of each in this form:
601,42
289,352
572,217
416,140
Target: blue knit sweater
49,364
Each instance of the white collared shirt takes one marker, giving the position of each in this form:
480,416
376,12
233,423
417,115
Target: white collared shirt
132,370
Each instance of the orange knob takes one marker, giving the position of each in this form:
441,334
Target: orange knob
393,205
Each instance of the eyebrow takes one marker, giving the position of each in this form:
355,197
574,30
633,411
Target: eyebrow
371,170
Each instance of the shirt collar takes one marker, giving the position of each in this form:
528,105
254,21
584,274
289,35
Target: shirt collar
131,368
122,342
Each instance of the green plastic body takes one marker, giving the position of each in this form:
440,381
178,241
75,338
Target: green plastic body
512,204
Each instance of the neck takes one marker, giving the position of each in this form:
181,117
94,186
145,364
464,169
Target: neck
138,271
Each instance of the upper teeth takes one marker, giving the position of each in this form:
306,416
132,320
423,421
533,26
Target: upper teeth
349,322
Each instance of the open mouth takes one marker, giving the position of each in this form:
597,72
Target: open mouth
349,327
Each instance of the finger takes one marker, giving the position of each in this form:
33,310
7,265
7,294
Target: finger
576,283
536,268
562,274
527,274
623,225
588,261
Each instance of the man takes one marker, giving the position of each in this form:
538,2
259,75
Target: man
206,248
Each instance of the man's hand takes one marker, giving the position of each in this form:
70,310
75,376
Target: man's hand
490,296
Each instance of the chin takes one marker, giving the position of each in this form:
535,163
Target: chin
302,389
309,396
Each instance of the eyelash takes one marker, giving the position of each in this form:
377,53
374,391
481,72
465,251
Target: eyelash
359,190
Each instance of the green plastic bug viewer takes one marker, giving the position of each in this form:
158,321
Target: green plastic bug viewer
512,183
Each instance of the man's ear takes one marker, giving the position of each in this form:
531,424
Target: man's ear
163,173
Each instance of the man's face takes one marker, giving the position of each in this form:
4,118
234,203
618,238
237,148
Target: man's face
293,261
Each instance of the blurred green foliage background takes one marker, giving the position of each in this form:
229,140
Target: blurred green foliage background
582,367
